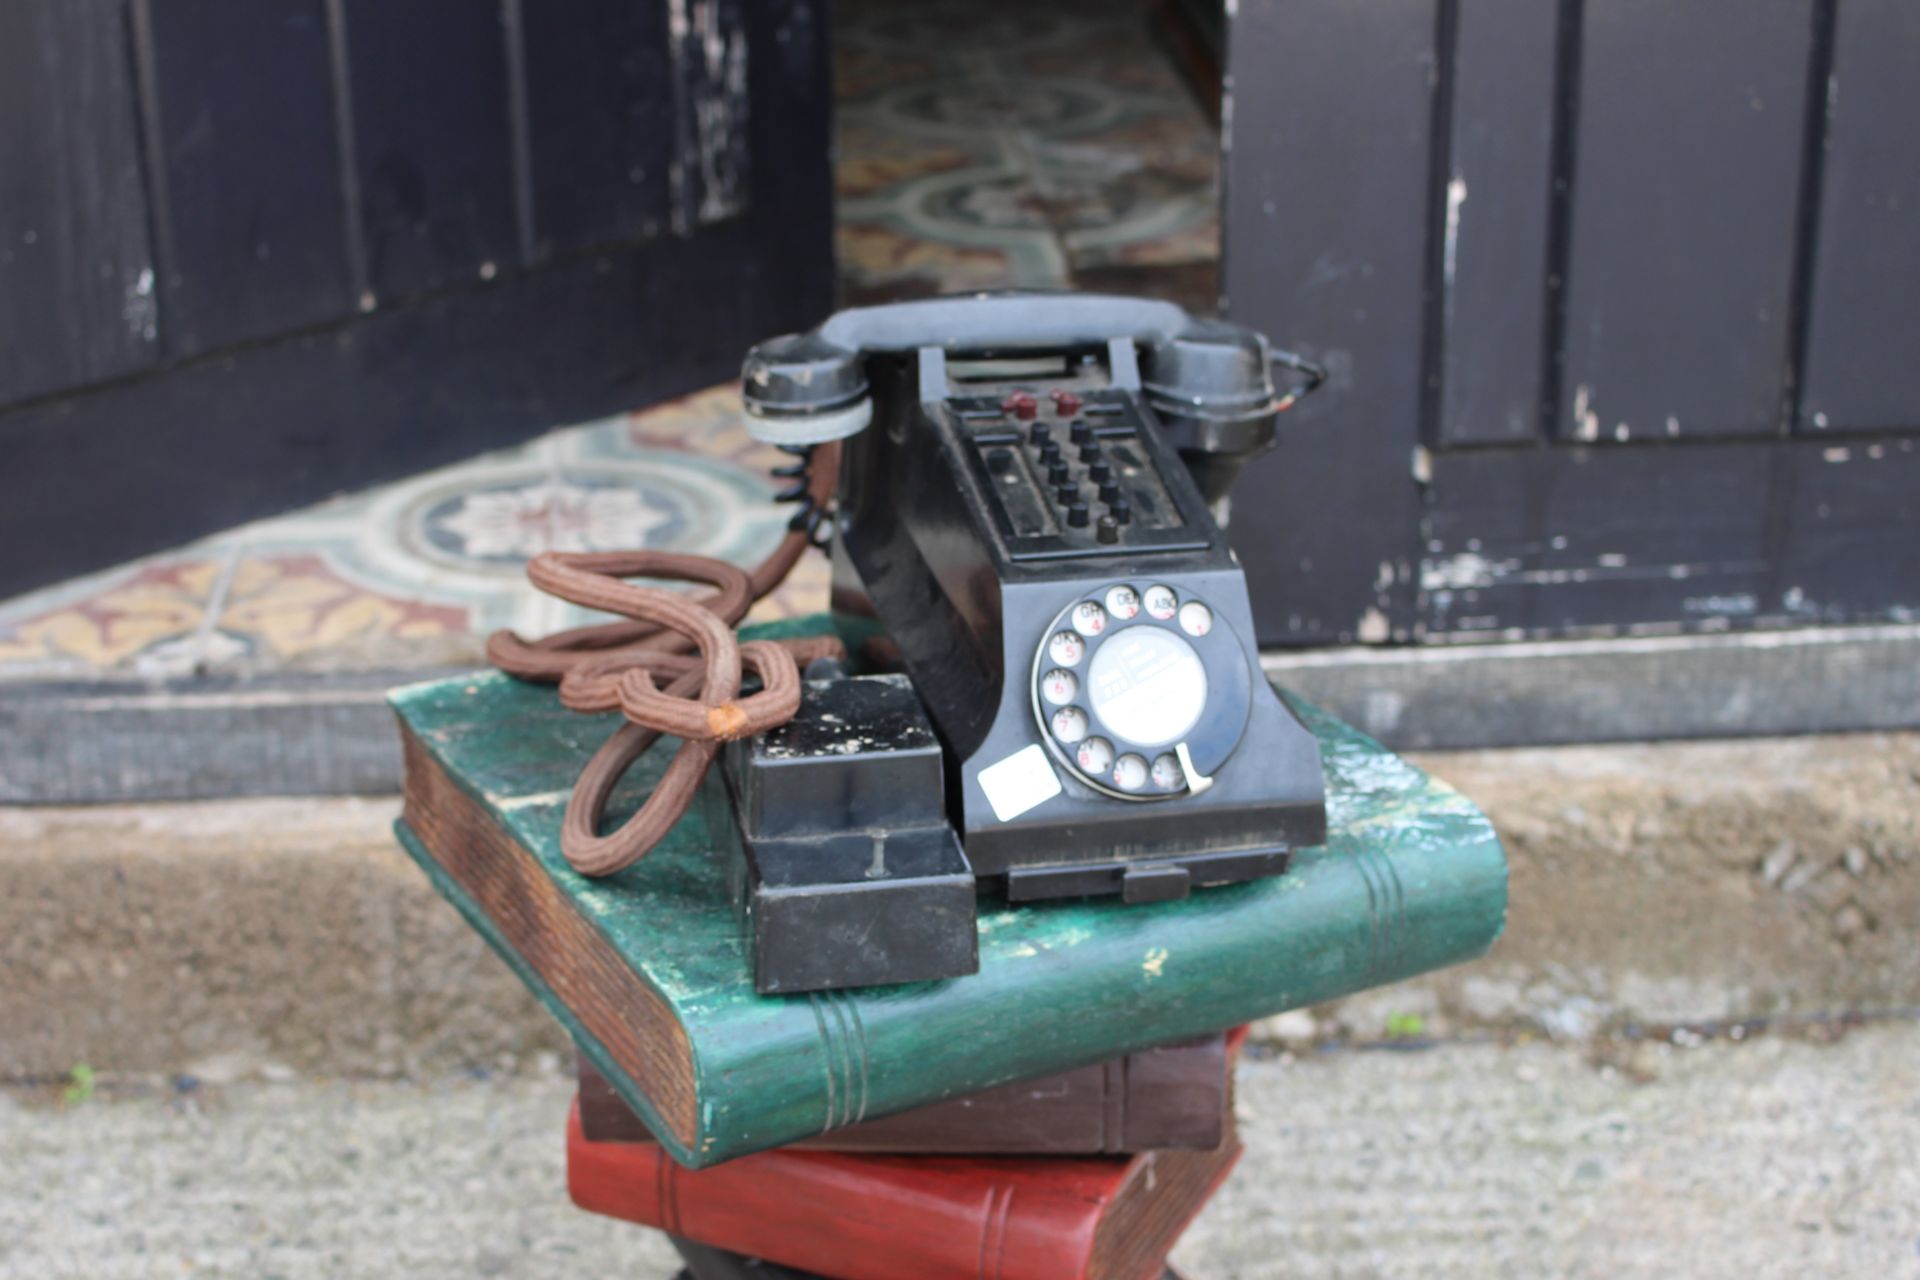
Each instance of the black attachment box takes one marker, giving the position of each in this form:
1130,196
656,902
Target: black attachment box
846,870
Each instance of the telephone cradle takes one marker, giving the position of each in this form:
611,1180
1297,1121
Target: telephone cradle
1025,512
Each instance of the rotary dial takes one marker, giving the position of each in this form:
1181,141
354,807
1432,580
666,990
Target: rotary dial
1140,690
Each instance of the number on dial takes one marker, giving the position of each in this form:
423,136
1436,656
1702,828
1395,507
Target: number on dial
1195,618
1069,724
1089,619
1095,756
1066,649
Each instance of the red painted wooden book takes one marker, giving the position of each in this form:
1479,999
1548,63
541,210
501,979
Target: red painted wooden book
866,1217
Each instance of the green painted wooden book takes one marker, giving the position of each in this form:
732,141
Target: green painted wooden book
649,973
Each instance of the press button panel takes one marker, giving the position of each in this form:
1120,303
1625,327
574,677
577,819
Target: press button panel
1068,473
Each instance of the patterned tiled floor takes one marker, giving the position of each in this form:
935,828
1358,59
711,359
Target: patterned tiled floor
993,145
419,571
979,146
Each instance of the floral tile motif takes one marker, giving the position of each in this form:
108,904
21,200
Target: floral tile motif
710,423
421,570
1026,145
291,607
176,614
862,69
1112,46
872,161
880,263
1195,244
144,609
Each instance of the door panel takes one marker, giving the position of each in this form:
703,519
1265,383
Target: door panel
1685,189
1327,184
1637,214
707,40
1852,544
1540,541
245,166
76,273
1494,211
600,121
433,141
387,236
1862,374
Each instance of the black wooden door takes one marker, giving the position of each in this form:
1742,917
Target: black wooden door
1619,298
256,251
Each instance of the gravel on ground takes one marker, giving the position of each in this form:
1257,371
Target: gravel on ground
1775,1156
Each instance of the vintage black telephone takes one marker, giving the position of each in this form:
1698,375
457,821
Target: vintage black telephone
1023,510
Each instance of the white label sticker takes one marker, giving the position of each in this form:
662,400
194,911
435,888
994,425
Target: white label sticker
1018,783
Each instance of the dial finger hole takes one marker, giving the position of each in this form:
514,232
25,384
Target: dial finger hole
1069,724
1130,772
1089,619
1059,686
1066,649
1161,602
1123,603
1166,772
1195,618
1095,755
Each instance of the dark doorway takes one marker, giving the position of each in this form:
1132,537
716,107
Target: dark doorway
254,254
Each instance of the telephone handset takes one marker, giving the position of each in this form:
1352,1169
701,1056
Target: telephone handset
1024,512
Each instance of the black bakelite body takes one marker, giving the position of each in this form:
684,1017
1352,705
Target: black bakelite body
1026,454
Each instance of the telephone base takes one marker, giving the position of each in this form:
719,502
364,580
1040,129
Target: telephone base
1160,880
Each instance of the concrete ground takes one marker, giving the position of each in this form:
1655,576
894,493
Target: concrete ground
1663,884
310,1066
1775,1156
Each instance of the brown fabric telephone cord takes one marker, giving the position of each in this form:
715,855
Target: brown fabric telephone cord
687,641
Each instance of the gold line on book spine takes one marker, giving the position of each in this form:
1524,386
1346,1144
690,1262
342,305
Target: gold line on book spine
826,1062
1376,942
1397,944
993,1234
853,1057
1386,914
843,1056
857,1045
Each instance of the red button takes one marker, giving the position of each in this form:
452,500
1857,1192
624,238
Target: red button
1065,403
1021,405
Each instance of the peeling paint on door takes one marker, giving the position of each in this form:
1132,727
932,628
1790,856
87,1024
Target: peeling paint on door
710,163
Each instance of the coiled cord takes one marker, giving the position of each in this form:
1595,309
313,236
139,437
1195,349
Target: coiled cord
690,643
812,517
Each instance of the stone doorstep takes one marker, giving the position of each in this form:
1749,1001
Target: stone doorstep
1673,883
243,731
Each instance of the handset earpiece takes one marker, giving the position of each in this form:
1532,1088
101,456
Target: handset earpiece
804,390
1211,385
